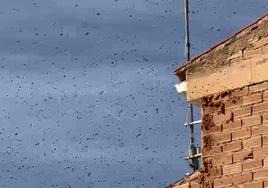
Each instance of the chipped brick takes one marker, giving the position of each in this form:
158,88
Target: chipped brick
242,155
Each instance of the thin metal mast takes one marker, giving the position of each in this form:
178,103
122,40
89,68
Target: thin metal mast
193,153
190,117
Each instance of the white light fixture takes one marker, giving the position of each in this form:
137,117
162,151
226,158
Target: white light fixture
181,87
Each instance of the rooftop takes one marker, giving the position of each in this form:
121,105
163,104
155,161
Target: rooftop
180,70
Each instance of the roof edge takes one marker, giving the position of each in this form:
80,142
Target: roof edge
180,70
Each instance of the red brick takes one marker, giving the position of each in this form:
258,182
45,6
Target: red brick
252,99
260,130
265,141
265,95
240,91
252,142
239,179
258,184
220,138
213,130
260,153
262,107
232,104
223,159
241,112
252,164
241,134
265,162
242,155
216,172
265,118
265,181
234,146
252,120
261,174
233,125
223,182
232,169
211,151
258,87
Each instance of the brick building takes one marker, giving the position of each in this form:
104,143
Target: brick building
230,84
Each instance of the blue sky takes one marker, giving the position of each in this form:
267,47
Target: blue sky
87,88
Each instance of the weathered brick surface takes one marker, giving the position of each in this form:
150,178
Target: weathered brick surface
211,151
258,87
243,111
232,169
233,146
260,153
252,120
265,118
240,143
265,183
223,159
239,179
265,95
257,184
265,162
252,164
242,155
221,138
252,53
241,134
265,141
252,142
252,99
195,185
261,174
261,107
234,122
223,182
235,139
231,126
222,117
260,130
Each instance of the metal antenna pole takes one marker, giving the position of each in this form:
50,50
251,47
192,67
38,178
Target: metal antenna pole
193,155
187,32
190,117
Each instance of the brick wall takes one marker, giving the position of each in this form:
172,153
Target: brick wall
235,138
